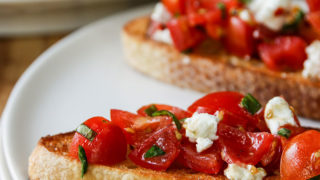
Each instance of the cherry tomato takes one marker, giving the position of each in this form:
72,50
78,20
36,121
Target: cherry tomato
175,6
239,37
214,31
314,20
301,157
108,146
314,5
239,146
166,140
208,161
271,160
184,37
136,127
179,113
284,53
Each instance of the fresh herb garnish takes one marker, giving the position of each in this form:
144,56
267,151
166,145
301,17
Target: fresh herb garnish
177,14
284,132
168,113
245,1
315,178
150,110
86,132
154,151
250,103
294,24
83,160
223,9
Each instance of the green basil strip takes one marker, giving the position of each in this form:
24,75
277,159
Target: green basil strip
284,132
154,151
83,160
168,113
251,104
86,132
150,110
223,9
299,17
245,1
315,178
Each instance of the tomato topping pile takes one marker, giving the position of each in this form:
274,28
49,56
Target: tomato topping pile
157,138
233,24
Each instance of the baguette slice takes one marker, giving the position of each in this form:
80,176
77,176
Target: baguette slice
49,160
209,68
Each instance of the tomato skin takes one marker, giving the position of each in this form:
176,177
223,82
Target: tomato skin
107,148
179,113
165,139
314,5
208,161
314,20
271,160
174,6
284,53
298,160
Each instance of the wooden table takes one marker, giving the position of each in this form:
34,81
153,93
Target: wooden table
16,54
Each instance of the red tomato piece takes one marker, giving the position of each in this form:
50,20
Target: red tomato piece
166,140
136,127
212,16
184,37
271,160
179,113
175,6
314,5
314,20
214,31
239,37
284,53
239,146
294,131
208,161
301,157
108,146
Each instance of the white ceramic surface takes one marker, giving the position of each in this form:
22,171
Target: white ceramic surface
4,171
82,76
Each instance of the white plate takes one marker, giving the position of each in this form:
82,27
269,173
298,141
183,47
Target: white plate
83,75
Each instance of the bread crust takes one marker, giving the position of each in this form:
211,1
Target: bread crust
50,160
209,68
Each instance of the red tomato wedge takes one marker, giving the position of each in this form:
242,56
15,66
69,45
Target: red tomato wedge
108,147
314,20
166,140
179,113
136,127
314,5
208,161
271,160
239,146
301,157
284,53
175,7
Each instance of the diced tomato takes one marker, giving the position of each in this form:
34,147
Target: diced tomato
239,37
308,33
136,127
214,31
108,146
184,36
271,160
239,146
175,6
166,140
208,161
179,113
314,20
153,27
212,16
284,53
301,157
294,131
314,5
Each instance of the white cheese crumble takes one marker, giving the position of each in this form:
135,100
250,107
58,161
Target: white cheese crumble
160,14
312,64
278,113
162,36
202,129
301,4
245,16
244,172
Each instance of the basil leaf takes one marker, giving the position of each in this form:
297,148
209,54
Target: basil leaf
315,178
284,132
295,23
245,1
223,9
168,113
86,132
150,110
83,160
250,103
154,151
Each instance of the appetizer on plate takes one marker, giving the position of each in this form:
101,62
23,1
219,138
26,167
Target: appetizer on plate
263,47
224,135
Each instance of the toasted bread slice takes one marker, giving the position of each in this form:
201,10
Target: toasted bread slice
209,68
50,160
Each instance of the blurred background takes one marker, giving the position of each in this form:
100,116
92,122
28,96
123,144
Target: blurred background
29,27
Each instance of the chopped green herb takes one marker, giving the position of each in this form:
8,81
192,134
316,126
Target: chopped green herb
168,113
294,24
250,103
315,178
86,132
177,14
223,9
284,132
83,160
150,110
245,1
154,151
187,51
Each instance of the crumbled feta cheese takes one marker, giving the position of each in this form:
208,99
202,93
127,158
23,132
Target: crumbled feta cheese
244,172
162,36
301,4
264,12
312,64
278,113
160,13
245,16
202,129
